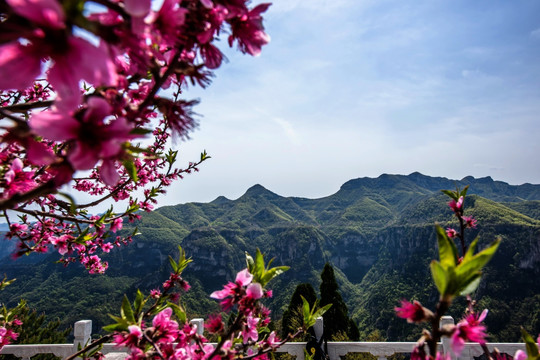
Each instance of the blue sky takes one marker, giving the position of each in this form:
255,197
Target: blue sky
354,88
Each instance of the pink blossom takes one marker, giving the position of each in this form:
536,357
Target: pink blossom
184,285
167,22
273,340
117,224
456,206
39,153
249,31
46,13
243,278
469,329
470,222
137,8
418,352
7,336
73,60
249,331
107,247
214,324
213,23
166,329
228,290
23,60
451,233
61,243
17,180
413,312
94,137
211,55
520,355
207,3
155,293
254,291
131,339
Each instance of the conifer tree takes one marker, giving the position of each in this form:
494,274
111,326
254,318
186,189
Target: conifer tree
336,319
36,329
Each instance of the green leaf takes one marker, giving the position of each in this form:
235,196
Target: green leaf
320,312
262,274
530,344
131,169
72,203
259,265
471,250
126,312
139,302
311,315
308,320
173,264
452,288
272,273
475,263
464,191
472,284
451,194
204,156
136,232
182,261
178,311
308,356
171,156
139,150
249,261
5,282
448,253
440,277
121,324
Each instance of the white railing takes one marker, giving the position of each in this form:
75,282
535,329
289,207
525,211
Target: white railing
382,350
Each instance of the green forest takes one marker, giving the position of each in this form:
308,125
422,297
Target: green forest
376,234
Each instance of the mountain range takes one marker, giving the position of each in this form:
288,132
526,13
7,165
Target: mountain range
378,233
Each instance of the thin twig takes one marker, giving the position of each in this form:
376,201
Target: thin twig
160,80
92,345
28,106
270,349
37,213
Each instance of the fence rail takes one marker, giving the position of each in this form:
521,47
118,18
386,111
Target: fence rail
382,350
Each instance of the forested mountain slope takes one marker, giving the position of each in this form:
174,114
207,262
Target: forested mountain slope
377,232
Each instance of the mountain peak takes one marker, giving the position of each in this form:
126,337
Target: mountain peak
220,200
259,190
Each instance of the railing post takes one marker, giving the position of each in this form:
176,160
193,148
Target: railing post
446,346
319,327
199,323
83,333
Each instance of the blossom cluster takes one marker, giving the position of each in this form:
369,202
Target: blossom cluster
7,335
466,222
469,329
176,339
83,84
455,274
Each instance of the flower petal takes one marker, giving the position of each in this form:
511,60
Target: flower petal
19,66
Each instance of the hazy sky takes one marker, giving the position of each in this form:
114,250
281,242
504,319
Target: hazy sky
354,88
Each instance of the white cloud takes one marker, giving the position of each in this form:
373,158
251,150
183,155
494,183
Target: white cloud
535,34
288,130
